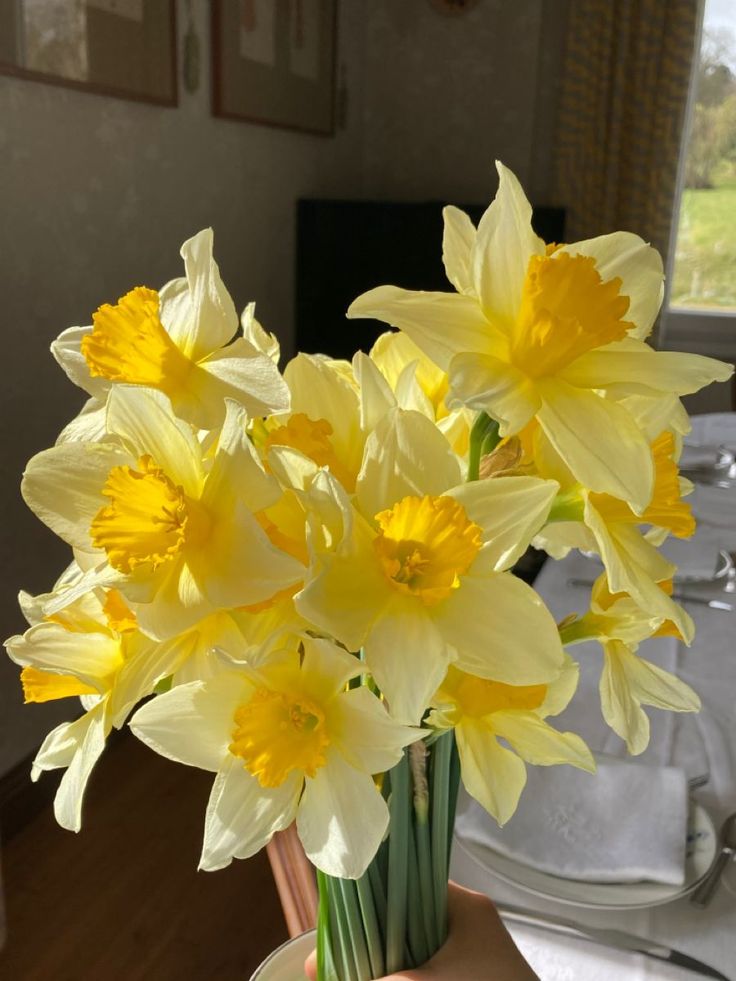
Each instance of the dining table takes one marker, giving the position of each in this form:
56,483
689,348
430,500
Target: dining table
703,744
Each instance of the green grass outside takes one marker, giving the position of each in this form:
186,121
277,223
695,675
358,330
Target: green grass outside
705,257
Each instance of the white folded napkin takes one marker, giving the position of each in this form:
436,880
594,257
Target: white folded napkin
626,823
697,557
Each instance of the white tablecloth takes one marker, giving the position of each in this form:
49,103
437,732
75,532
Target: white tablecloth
699,743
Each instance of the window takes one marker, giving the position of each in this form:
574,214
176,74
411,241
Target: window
701,288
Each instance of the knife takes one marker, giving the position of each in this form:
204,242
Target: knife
608,938
683,597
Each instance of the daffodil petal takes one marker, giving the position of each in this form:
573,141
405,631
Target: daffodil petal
406,455
637,369
66,349
239,566
408,657
440,324
193,723
63,487
376,397
69,797
342,819
237,474
144,420
90,426
242,816
510,510
197,310
504,245
322,388
146,663
484,383
251,379
501,630
635,567
91,657
539,743
458,241
491,774
326,668
348,593
365,734
599,441
621,710
625,255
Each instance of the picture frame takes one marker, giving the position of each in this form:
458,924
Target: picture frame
274,63
121,48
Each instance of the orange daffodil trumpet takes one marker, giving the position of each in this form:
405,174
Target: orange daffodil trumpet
554,334
307,574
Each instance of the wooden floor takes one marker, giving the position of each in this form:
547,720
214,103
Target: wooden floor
122,900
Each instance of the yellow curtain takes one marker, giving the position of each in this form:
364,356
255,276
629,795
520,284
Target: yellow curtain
622,106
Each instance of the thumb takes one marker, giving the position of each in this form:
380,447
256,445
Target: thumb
310,966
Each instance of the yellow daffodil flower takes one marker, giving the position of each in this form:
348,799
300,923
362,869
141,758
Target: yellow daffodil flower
286,741
482,712
609,527
148,512
92,650
417,383
549,333
179,340
627,680
415,569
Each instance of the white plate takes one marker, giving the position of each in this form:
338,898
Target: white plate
701,850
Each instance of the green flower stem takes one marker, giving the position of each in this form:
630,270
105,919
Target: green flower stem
344,954
398,845
326,970
440,775
416,936
484,438
452,791
355,928
418,754
371,925
377,882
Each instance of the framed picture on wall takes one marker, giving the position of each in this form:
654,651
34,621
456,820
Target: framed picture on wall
273,62
123,48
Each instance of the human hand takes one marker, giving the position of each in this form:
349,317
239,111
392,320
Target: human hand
478,946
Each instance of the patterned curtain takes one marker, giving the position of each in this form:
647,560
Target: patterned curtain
622,107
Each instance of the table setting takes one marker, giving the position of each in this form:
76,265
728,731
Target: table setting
607,876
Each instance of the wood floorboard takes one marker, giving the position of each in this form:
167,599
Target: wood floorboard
122,900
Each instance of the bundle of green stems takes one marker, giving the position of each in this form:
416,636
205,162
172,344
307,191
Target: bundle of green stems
395,916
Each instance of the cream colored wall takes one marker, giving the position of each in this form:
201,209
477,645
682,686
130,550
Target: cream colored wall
96,195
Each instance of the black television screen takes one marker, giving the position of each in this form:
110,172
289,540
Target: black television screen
347,247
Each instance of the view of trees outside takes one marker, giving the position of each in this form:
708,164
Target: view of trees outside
705,255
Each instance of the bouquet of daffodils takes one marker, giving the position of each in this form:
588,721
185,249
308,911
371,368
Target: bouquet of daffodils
306,579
